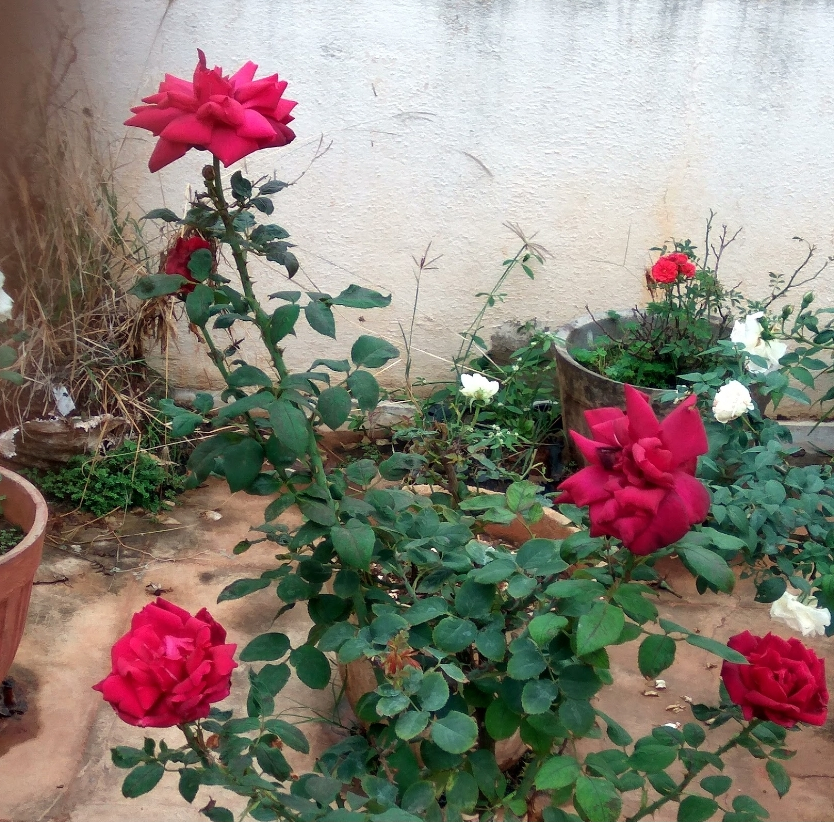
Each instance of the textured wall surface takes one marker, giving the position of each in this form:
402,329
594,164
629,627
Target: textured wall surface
606,126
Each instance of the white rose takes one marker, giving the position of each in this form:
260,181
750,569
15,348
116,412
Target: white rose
731,401
6,303
478,387
748,332
807,619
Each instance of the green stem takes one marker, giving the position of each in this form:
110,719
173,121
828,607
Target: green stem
687,780
215,190
197,744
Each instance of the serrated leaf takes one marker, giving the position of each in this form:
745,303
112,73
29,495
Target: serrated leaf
311,666
290,426
267,646
320,317
601,626
778,777
696,809
162,214
242,587
597,799
142,779
372,352
656,654
706,563
354,543
717,648
411,724
455,733
334,405
355,296
557,772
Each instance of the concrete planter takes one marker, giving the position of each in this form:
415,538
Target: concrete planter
582,389
24,506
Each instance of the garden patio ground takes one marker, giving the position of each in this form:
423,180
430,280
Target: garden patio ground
54,759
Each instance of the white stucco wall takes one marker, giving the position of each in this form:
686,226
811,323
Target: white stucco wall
604,125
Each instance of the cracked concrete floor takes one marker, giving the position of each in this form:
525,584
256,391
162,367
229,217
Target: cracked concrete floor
54,759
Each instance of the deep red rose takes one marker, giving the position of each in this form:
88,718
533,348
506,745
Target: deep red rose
668,267
228,116
640,483
169,667
178,256
784,682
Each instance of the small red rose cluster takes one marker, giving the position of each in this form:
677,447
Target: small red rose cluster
670,266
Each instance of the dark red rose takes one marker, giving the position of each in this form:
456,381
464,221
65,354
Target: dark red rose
176,260
169,667
228,116
784,682
640,484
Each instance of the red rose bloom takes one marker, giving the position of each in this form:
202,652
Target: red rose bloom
668,267
640,483
228,116
178,256
784,682
169,667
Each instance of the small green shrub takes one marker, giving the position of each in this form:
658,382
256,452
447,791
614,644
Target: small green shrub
123,478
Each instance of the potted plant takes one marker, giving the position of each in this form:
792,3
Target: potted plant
687,328
24,507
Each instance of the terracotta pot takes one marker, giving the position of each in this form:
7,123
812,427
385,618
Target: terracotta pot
24,506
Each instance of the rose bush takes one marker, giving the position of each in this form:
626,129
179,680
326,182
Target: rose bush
784,681
169,667
178,257
640,485
228,116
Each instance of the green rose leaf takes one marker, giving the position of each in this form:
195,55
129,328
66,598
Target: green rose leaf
242,462
716,785
248,375
597,799
334,407
778,777
355,296
365,390
311,666
704,562
556,773
157,285
372,352
717,648
500,721
455,733
290,426
696,809
142,779
653,758
282,322
189,784
452,634
162,214
354,543
320,317
265,647
241,588
411,724
601,626
656,654
198,303
545,627
538,695
434,692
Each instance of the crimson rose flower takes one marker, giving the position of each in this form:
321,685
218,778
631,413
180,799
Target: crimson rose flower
228,116
169,667
178,256
640,483
784,682
667,268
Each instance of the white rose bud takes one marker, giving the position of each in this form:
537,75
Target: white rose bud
731,401
478,387
6,303
807,619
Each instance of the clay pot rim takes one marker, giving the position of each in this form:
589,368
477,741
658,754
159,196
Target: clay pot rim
38,527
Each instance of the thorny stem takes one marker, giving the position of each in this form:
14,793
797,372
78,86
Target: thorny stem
197,744
691,774
215,190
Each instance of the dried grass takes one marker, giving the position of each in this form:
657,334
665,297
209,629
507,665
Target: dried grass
69,254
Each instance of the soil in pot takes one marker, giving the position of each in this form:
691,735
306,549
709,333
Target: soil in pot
10,535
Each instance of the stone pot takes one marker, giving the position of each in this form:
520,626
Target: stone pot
582,389
23,506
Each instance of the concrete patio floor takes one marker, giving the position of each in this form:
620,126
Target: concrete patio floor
54,759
